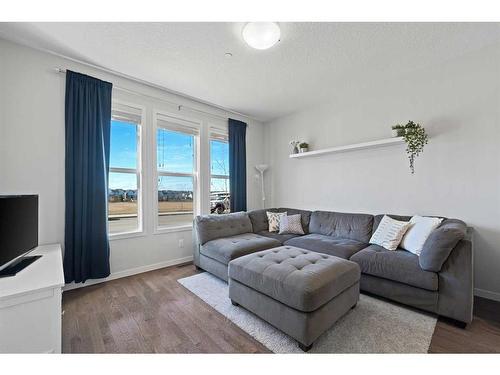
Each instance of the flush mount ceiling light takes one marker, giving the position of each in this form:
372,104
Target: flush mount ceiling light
261,35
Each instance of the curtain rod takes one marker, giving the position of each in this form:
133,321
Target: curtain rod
179,106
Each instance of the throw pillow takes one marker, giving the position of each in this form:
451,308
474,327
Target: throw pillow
291,224
420,229
389,233
274,219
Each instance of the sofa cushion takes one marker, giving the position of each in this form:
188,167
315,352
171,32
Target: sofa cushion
389,233
397,265
336,224
420,229
305,216
274,220
298,278
228,248
260,223
378,218
259,219
339,247
438,246
210,227
291,224
280,237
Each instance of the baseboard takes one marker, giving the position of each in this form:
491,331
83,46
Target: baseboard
487,294
129,272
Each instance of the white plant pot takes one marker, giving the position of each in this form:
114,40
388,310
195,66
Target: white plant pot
303,150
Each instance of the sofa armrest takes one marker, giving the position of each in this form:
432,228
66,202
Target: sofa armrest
439,245
196,246
211,227
456,281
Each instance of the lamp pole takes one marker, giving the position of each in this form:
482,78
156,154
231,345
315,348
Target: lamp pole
262,168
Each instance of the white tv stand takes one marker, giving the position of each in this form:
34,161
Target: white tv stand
30,305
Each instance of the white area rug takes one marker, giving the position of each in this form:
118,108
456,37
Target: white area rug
374,326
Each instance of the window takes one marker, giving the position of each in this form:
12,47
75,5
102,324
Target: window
124,197
176,167
219,174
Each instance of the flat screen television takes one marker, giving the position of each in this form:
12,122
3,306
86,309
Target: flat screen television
18,232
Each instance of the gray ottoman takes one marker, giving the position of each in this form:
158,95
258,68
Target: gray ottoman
298,291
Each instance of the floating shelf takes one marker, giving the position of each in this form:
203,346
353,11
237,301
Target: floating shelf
351,147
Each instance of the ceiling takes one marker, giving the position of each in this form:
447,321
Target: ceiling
311,62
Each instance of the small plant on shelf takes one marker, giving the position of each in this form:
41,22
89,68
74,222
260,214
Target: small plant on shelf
398,131
415,138
304,146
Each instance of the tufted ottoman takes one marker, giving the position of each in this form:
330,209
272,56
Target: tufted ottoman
298,291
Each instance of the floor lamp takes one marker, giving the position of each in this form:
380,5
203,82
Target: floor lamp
262,168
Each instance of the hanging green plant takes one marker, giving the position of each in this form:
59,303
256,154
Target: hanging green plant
416,138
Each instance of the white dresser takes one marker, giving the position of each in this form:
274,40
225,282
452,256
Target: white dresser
30,305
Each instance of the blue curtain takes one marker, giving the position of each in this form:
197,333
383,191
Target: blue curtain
88,121
237,165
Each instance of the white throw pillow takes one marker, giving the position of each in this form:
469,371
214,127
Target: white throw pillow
274,219
420,229
291,224
389,233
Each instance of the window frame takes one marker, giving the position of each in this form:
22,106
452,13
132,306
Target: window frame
220,135
131,109
192,127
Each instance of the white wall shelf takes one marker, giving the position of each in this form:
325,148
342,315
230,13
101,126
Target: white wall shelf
352,147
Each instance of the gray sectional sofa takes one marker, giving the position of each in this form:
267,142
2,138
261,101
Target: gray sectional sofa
440,280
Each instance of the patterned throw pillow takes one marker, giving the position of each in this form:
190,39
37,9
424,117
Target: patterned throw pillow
291,225
274,219
389,233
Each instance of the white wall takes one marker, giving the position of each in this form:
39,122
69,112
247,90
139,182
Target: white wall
458,175
32,149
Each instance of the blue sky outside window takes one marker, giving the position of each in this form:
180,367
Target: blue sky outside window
175,153
123,154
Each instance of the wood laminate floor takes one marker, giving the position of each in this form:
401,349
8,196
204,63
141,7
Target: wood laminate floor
152,313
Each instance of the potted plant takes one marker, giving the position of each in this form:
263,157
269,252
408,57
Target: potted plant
398,131
415,138
295,145
304,146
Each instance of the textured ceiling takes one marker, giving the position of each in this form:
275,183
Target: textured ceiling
310,63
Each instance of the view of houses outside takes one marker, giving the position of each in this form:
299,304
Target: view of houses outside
175,163
175,152
175,207
122,184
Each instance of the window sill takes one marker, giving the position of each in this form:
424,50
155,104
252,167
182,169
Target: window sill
122,236
183,228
